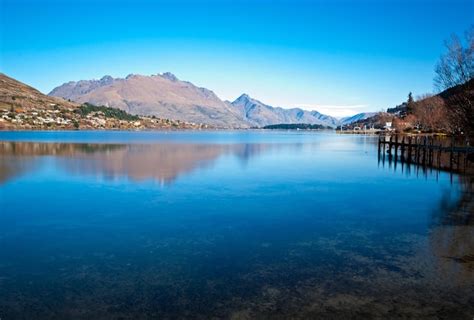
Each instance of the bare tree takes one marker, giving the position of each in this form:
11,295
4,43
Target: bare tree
455,75
456,66
431,114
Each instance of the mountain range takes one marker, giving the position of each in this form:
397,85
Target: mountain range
165,96
258,114
161,95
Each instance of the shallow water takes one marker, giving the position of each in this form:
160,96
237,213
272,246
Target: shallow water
240,225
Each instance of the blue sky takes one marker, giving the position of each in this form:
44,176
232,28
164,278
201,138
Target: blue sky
339,57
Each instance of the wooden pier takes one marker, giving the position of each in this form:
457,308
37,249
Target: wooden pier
443,153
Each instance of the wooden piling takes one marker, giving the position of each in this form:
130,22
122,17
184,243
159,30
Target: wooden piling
431,152
409,148
424,151
417,151
380,144
439,155
451,155
390,144
396,146
402,151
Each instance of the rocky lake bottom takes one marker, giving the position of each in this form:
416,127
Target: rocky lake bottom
228,225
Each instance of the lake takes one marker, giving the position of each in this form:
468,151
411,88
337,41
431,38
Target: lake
228,225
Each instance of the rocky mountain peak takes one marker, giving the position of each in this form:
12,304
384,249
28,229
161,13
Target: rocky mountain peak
245,99
105,80
130,76
169,76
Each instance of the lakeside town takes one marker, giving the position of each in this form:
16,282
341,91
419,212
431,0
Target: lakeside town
85,117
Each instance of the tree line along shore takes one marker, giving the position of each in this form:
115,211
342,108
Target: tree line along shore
450,111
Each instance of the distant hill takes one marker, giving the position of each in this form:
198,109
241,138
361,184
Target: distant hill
356,118
17,95
259,114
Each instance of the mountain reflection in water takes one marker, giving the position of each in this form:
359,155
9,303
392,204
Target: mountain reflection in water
160,162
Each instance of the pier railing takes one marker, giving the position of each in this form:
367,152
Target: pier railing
455,155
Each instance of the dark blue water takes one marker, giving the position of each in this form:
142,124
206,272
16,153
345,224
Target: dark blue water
238,225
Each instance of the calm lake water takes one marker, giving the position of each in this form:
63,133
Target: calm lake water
228,225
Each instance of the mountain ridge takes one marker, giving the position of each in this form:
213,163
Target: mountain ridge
15,94
357,117
166,96
161,95
261,114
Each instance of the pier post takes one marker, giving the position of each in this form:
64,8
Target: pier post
402,151
451,154
390,143
409,149
380,142
424,151
417,151
431,152
396,146
439,155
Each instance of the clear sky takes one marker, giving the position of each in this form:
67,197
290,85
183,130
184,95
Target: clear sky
338,57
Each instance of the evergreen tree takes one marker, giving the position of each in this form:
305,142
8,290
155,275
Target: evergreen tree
410,104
